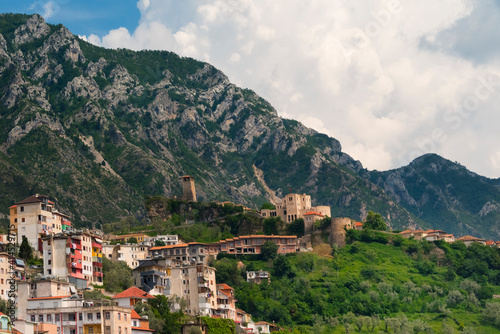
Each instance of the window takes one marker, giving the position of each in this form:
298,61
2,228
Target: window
33,318
80,316
50,261
119,329
107,315
91,330
108,330
49,271
57,317
23,220
49,317
125,316
71,317
90,316
98,316
119,316
22,210
40,318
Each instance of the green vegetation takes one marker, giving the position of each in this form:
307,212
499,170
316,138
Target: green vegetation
25,251
377,282
117,275
374,221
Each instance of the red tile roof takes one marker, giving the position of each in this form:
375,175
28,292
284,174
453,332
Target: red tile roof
224,286
310,213
133,292
358,224
31,199
135,315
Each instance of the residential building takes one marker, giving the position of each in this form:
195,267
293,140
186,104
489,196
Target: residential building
265,327
294,206
73,315
75,256
258,276
226,302
468,240
251,244
429,235
140,237
152,276
140,325
358,225
196,285
35,217
131,296
11,270
5,325
168,240
129,253
193,252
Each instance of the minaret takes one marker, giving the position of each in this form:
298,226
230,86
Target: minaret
188,189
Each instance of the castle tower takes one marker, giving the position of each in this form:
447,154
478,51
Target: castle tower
337,235
188,189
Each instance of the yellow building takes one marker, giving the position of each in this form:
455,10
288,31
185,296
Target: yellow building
295,206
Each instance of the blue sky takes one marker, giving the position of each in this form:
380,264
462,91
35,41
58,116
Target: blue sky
390,79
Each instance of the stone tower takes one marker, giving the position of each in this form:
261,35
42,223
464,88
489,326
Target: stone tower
337,235
188,189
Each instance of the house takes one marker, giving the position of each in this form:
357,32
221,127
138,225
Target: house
226,302
75,256
11,271
358,225
131,296
265,327
258,276
35,217
193,252
76,315
129,253
468,240
168,240
152,276
140,237
294,206
140,325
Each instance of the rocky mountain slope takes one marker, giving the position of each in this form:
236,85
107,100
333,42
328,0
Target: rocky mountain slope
446,195
99,129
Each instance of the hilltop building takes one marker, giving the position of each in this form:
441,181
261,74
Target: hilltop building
188,189
258,276
295,206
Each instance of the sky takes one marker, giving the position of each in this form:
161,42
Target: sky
391,80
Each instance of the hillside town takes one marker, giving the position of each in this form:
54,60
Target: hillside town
52,301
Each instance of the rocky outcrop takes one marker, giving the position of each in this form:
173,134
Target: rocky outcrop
34,28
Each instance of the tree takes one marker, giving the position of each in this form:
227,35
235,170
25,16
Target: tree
282,267
117,275
25,251
268,206
296,227
268,250
272,225
374,221
159,243
132,240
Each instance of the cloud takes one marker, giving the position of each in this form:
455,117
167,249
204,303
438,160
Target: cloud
388,84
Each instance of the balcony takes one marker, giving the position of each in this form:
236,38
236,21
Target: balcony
96,245
76,265
97,274
97,264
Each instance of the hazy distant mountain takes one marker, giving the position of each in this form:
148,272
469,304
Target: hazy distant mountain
99,129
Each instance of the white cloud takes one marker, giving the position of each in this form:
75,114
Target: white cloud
362,67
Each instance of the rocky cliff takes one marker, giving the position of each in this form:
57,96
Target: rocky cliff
99,129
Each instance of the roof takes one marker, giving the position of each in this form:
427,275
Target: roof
52,297
224,286
147,263
310,213
358,224
14,206
489,242
133,292
135,315
31,199
469,238
168,246
141,329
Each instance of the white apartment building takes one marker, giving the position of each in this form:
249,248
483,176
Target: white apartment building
167,239
130,253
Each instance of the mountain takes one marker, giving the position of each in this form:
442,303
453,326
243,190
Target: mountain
446,195
100,129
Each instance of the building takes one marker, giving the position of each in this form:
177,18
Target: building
129,253
429,235
168,240
139,324
196,285
35,217
258,276
73,315
468,240
140,237
5,325
309,219
74,256
131,296
10,267
153,276
294,206
188,189
193,252
226,302
251,244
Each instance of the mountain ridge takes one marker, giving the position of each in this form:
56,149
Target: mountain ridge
99,129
